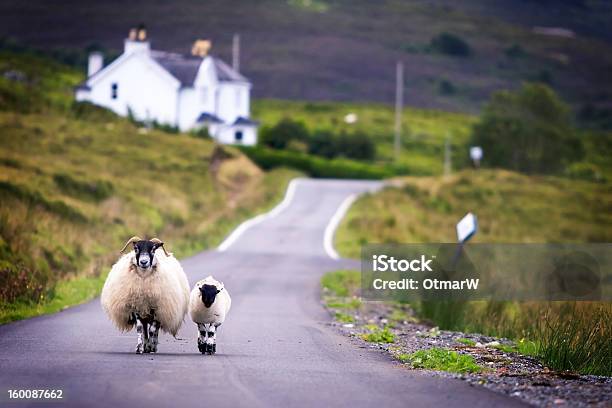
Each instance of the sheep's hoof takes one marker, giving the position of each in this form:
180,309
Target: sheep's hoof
139,349
212,349
202,347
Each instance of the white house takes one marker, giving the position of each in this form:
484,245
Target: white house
188,92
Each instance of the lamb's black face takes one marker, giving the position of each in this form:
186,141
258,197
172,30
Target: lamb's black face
209,293
145,251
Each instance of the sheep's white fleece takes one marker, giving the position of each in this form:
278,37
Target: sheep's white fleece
165,289
217,311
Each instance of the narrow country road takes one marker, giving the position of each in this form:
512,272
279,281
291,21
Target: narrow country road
275,349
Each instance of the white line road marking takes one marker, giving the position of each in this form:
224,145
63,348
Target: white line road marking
328,238
261,217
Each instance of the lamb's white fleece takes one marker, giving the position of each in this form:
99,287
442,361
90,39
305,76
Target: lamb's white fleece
214,314
165,289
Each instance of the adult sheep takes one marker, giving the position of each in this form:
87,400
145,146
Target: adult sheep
146,289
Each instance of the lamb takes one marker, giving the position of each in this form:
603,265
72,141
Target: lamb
208,306
146,289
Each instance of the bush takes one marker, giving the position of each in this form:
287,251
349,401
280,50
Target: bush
286,130
318,166
323,143
528,130
293,135
356,146
451,44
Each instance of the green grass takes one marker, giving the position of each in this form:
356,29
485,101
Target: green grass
76,181
352,303
467,342
64,294
378,335
506,348
441,360
344,318
343,283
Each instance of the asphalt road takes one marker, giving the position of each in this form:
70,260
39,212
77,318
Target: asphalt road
275,348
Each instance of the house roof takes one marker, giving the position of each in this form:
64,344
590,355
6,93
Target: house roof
245,121
185,68
208,117
227,73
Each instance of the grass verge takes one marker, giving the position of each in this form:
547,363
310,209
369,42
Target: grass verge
441,360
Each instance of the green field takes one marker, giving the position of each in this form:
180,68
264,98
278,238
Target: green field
424,132
77,181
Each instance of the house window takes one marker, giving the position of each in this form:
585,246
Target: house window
114,90
204,95
238,136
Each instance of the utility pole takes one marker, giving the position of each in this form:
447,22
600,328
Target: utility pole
447,157
236,53
399,105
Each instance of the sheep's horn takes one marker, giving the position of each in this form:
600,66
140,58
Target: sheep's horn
161,244
131,240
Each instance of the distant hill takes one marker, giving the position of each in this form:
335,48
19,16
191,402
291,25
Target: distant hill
347,49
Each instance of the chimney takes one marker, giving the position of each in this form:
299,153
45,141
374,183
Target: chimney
137,40
200,48
142,33
96,62
236,53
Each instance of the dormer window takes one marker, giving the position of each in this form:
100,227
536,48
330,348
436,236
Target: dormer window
114,90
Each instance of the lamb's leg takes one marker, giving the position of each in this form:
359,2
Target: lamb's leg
203,329
211,339
153,336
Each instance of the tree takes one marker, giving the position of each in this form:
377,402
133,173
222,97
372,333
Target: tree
528,130
286,130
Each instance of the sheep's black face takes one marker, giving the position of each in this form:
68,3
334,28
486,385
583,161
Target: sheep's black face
209,293
145,251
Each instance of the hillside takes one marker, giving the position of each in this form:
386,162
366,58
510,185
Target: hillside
511,208
77,181
346,50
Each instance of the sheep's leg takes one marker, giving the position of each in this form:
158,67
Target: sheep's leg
203,329
140,329
211,340
153,336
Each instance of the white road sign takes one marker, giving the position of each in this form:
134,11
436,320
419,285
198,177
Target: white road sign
466,227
